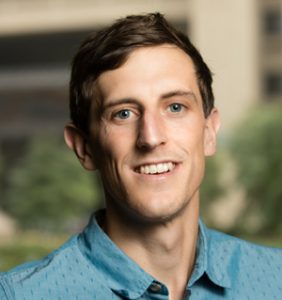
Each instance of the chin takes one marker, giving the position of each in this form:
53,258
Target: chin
157,212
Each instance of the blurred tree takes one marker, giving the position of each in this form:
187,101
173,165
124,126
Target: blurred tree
48,188
257,150
211,188
1,179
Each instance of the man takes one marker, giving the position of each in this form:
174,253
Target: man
143,115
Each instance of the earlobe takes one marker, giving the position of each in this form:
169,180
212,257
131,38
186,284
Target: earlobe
76,141
212,127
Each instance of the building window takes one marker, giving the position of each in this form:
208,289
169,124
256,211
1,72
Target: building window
273,22
273,84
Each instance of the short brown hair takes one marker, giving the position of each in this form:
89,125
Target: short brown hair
109,48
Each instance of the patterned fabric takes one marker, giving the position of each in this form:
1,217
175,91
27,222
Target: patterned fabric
91,266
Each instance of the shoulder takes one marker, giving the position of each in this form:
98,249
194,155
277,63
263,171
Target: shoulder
244,262
219,241
27,278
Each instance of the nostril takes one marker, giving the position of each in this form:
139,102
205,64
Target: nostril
146,144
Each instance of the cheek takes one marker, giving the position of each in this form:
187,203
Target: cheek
106,140
191,136
113,146
117,139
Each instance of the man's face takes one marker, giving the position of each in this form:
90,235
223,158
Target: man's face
153,135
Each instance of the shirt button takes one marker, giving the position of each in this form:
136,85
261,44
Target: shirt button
187,293
155,287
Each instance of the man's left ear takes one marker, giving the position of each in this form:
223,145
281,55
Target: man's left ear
211,129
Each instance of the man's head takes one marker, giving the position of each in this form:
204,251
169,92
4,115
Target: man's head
109,49
143,115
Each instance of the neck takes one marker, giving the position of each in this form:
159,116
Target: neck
165,250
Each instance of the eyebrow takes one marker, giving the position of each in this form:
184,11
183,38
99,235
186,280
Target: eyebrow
119,102
187,94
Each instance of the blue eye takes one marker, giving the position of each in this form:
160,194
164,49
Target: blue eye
123,114
175,107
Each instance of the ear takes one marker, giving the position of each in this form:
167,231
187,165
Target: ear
77,141
211,129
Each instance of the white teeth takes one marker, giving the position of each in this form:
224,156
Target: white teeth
157,168
161,168
153,169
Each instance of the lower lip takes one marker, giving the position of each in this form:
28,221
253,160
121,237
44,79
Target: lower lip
157,176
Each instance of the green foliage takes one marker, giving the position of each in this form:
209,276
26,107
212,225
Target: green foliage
48,188
211,188
257,150
27,246
15,254
1,176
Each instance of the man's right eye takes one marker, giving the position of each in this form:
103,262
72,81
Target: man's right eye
123,114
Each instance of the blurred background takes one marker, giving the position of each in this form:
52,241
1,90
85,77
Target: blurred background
44,193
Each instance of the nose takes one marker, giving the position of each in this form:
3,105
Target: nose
151,132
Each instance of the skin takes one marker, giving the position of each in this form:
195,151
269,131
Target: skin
152,113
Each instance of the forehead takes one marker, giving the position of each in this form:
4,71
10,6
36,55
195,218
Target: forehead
148,72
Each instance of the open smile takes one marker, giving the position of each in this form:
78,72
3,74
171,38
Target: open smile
157,168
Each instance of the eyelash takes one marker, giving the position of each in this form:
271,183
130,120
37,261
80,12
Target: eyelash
130,113
125,115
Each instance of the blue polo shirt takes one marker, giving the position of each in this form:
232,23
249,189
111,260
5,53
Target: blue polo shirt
91,266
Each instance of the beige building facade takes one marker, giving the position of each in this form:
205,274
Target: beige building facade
240,40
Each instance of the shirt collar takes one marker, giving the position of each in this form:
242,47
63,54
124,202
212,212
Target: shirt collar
208,249
129,280
113,266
